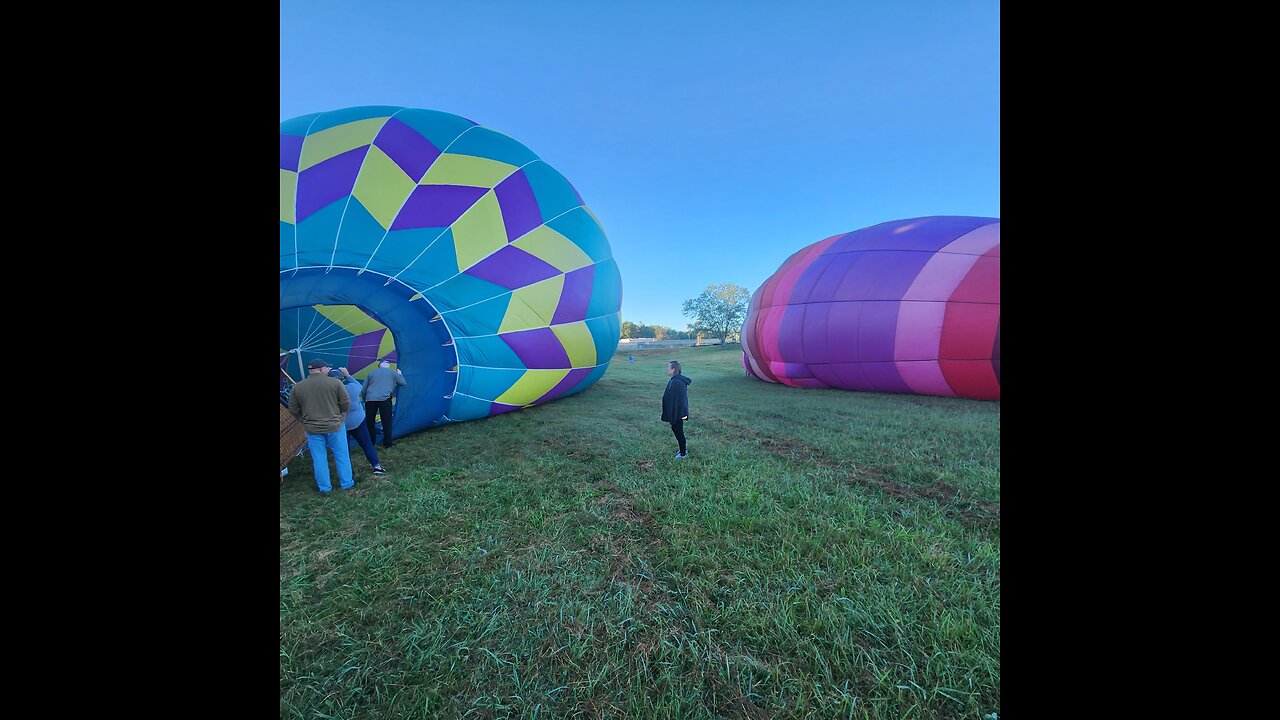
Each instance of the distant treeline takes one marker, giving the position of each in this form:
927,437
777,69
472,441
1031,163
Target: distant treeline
632,330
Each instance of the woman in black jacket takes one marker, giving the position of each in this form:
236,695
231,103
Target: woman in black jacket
675,404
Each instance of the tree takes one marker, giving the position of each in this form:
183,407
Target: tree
628,329
719,310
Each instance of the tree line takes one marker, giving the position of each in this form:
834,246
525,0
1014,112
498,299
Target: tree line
717,312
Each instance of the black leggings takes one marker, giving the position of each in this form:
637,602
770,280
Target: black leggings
677,427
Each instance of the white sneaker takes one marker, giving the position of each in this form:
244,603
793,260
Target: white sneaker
681,455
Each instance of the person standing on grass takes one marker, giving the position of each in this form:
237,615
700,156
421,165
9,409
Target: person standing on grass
675,404
356,429
321,403
382,381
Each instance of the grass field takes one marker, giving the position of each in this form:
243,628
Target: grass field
819,554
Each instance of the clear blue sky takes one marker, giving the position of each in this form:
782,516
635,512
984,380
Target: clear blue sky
711,138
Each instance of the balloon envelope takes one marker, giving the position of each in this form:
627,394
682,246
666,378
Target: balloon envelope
447,247
907,306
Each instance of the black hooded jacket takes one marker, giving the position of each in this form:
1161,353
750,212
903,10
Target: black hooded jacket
675,401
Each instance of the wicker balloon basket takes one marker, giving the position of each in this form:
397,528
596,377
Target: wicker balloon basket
292,437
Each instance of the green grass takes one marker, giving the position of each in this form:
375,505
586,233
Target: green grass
820,554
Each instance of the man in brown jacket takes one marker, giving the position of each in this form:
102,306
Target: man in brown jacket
322,403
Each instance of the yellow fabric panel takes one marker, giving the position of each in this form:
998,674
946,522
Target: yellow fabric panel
336,140
533,306
479,231
288,195
531,386
350,318
577,342
382,187
385,347
449,169
547,244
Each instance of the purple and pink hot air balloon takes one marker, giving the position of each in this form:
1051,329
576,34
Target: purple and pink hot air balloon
906,306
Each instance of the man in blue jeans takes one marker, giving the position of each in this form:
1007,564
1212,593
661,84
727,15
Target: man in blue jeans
322,403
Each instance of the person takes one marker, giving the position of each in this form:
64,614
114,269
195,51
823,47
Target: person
322,404
630,360
356,429
382,381
675,404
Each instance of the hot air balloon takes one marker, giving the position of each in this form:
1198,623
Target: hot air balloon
907,306
448,248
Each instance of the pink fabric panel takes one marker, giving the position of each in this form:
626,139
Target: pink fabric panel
940,277
767,333
924,377
978,242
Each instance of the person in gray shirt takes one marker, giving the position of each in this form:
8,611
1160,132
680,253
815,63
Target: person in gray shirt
376,396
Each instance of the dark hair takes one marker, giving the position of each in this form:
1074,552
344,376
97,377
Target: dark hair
675,364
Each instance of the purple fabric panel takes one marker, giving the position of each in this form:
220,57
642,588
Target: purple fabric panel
573,378
857,269
290,151
436,206
884,377
576,295
927,234
826,374
364,350
791,333
512,268
842,375
539,349
842,332
802,290
412,152
825,281
497,408
519,205
325,182
813,338
895,271
877,331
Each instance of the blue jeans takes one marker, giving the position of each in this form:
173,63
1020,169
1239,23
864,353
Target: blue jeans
360,433
337,442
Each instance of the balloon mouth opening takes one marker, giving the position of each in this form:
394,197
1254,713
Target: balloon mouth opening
353,320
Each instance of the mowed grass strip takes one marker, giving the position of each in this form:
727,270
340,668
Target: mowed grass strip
819,554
